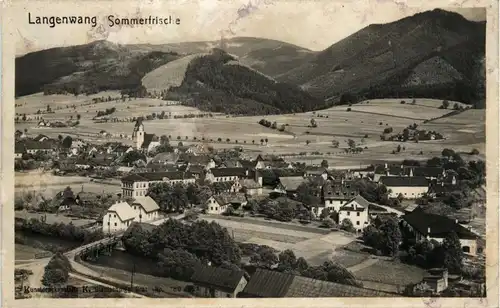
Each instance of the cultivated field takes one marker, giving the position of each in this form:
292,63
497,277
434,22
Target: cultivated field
48,185
170,74
363,124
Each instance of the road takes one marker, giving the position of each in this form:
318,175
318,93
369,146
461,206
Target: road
37,266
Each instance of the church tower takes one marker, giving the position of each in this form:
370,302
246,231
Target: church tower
138,134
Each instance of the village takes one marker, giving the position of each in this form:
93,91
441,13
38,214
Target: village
310,228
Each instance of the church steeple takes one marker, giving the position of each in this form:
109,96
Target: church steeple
138,134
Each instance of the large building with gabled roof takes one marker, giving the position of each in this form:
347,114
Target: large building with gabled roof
137,184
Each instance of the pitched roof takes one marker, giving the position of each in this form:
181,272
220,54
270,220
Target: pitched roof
248,163
221,172
291,183
166,157
148,138
157,176
349,206
424,171
36,145
217,277
439,225
147,203
226,198
40,137
123,210
250,184
404,181
196,159
19,148
339,191
266,283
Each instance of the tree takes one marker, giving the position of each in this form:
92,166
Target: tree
177,263
57,270
67,141
264,258
447,153
60,138
324,163
398,149
287,261
391,237
335,143
445,104
313,123
453,255
133,156
351,143
347,225
308,142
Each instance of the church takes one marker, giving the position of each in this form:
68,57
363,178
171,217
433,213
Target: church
142,141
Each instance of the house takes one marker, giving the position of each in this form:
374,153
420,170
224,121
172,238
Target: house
225,174
273,284
146,209
437,190
218,204
124,170
252,164
429,173
251,187
33,147
226,187
436,227
335,194
166,158
233,163
41,138
19,150
409,187
143,141
118,218
217,282
356,210
87,198
288,185
82,164
137,184
436,280
201,160
316,172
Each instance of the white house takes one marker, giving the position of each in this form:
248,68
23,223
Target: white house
146,209
137,184
356,211
218,204
252,187
409,187
118,218
335,195
225,174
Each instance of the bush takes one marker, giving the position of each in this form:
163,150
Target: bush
348,109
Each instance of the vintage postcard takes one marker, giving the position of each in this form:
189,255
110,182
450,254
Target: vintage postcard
249,153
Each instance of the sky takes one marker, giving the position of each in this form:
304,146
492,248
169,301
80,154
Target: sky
310,24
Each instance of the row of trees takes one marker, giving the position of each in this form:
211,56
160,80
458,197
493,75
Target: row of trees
273,125
61,230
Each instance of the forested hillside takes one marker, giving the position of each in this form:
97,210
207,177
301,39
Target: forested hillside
212,84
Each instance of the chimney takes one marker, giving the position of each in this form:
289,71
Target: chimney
428,230
456,221
385,166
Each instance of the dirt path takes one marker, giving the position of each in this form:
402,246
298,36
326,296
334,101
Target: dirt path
362,265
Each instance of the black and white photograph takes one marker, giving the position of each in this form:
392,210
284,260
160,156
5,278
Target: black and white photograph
249,150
